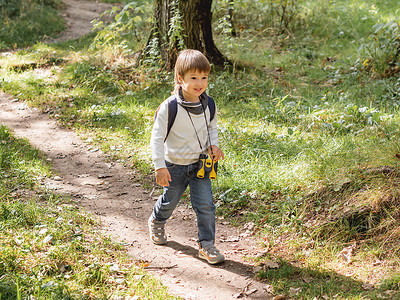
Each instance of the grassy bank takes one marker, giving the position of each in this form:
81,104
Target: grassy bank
309,126
21,26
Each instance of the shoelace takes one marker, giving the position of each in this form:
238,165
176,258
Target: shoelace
158,229
212,250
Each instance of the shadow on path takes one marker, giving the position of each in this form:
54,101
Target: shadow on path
229,265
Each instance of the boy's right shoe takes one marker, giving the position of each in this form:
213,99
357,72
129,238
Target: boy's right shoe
157,233
211,254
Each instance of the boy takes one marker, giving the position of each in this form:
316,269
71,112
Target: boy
176,151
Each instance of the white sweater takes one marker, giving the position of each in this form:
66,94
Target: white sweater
181,146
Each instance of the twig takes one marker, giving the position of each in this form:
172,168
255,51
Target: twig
161,268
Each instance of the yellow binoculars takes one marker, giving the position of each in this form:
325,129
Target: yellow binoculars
207,165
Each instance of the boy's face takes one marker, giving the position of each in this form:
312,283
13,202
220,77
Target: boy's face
193,83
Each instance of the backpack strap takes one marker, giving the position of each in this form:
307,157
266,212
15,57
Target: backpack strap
211,107
173,109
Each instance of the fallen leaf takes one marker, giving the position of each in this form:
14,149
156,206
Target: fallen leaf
245,292
271,264
142,263
19,240
248,293
138,277
294,291
180,254
83,175
47,239
279,297
390,293
269,289
258,269
64,268
261,252
119,280
43,231
244,235
249,226
230,239
367,286
100,176
377,262
307,279
347,253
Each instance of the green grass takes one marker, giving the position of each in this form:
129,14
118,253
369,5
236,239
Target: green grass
302,121
20,26
20,165
52,249
310,282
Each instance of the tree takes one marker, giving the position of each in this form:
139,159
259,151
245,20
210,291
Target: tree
181,24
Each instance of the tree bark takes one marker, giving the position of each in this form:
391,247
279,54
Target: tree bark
184,24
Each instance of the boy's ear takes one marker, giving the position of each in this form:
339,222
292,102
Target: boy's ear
179,77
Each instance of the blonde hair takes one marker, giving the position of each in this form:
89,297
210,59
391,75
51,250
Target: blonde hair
188,60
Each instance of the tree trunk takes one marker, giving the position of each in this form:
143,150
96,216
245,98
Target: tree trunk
181,24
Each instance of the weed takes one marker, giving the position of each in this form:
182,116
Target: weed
392,283
383,49
123,36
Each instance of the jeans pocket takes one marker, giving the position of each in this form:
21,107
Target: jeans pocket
169,165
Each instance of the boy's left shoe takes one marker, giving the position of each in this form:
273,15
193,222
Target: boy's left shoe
157,233
211,254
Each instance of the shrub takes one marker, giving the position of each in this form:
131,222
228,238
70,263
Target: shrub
383,49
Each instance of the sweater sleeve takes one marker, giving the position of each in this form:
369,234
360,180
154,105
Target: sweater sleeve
158,136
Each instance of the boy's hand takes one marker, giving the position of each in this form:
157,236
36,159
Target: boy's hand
215,153
163,177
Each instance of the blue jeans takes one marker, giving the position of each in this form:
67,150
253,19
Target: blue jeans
200,196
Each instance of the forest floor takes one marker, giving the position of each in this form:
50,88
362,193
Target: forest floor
114,193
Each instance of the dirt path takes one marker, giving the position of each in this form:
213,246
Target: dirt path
78,16
114,194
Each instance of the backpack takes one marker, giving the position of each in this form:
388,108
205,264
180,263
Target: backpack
173,109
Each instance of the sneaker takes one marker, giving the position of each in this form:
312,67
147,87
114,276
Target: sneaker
211,254
157,233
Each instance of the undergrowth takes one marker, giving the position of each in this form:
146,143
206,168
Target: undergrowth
21,26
